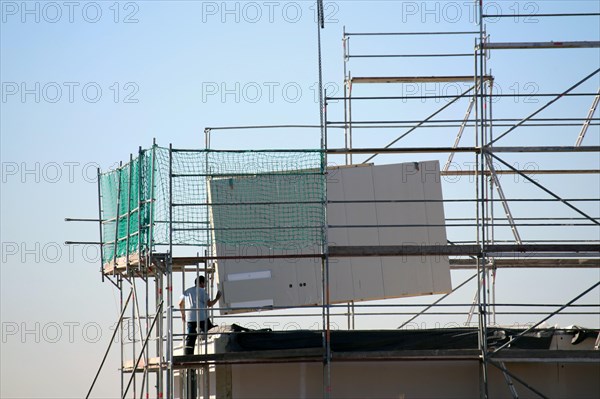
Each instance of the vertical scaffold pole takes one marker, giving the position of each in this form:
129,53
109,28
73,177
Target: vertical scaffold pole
207,252
142,352
489,194
159,337
482,287
158,279
489,204
350,115
100,224
195,386
476,202
121,336
128,229
119,279
346,82
325,251
116,242
129,182
144,343
324,248
477,211
169,287
491,267
209,315
140,205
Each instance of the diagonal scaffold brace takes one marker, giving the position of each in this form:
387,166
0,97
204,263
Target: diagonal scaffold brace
110,344
158,314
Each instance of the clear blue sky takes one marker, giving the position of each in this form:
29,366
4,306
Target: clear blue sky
85,83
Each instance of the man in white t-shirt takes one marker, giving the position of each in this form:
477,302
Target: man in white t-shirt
196,301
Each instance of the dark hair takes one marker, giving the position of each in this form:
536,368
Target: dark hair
200,279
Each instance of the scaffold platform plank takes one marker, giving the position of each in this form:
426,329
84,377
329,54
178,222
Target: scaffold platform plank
153,365
506,256
138,265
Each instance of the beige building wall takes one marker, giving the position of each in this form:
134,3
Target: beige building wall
423,379
409,379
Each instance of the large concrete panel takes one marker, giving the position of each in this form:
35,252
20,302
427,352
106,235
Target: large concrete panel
390,204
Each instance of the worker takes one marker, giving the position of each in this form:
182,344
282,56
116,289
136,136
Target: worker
197,302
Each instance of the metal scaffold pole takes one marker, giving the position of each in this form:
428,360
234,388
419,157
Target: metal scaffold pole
112,338
119,278
127,271
207,252
146,277
325,260
325,251
159,283
169,287
100,224
116,236
157,273
145,342
345,44
482,281
121,337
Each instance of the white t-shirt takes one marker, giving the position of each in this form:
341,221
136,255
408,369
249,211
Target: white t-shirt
191,296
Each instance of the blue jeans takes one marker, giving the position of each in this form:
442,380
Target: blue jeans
192,333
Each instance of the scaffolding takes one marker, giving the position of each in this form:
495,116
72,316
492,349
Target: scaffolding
157,209
487,252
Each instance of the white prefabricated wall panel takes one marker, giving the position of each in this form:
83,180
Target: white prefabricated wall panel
295,282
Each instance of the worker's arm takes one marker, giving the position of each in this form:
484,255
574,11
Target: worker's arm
211,303
182,308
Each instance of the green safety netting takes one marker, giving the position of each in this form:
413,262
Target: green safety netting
274,199
128,191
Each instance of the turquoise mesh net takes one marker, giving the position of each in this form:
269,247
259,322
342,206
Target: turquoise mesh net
126,191
270,198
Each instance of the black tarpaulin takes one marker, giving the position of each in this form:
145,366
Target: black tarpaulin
385,340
